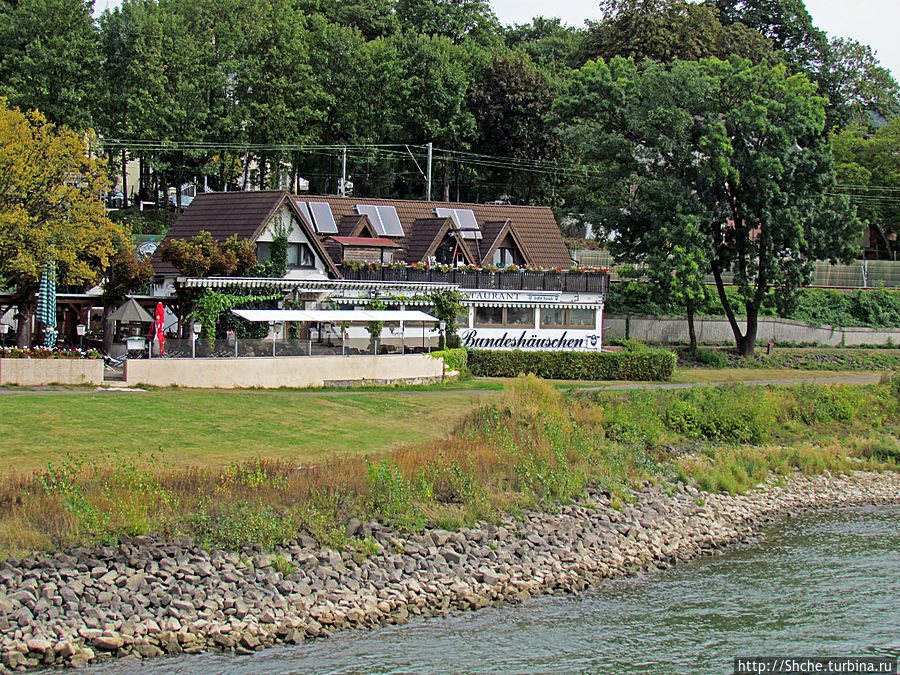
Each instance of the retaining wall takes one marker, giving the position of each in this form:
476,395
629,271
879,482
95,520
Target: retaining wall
36,372
714,330
269,372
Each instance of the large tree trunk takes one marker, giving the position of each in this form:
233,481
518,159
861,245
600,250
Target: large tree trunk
692,333
108,328
747,344
743,347
24,312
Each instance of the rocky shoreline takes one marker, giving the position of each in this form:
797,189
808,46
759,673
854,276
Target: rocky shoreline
146,598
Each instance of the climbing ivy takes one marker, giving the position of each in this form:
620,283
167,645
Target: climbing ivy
447,305
212,303
374,327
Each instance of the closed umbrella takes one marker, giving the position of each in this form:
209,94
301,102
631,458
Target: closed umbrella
46,310
160,327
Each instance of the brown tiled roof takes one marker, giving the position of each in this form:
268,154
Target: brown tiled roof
227,213
355,226
426,235
377,242
489,231
535,225
224,214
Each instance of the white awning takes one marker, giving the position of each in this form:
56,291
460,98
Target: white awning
393,315
338,315
267,315
333,315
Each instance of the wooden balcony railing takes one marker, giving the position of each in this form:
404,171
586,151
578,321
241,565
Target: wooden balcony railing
522,280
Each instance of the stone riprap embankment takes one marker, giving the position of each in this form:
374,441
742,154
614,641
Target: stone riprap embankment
145,598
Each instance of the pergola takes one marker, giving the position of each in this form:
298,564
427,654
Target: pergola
340,317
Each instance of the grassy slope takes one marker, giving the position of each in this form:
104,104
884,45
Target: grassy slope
530,446
210,428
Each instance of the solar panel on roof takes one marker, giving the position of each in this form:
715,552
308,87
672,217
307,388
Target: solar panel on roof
464,220
374,217
447,213
390,221
304,211
324,219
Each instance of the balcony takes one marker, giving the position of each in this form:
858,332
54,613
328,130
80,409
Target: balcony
593,281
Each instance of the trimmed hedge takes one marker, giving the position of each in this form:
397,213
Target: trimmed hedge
454,359
648,364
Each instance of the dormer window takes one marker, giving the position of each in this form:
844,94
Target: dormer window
503,257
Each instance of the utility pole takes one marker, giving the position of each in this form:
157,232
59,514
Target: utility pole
428,176
342,189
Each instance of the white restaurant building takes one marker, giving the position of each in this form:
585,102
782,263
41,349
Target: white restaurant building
510,264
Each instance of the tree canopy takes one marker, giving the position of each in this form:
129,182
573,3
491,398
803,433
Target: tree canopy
729,172
50,208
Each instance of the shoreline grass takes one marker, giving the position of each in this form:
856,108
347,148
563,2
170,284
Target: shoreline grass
531,447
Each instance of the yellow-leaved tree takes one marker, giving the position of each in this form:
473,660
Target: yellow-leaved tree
50,209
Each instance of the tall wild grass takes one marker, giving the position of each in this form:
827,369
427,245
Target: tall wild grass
532,447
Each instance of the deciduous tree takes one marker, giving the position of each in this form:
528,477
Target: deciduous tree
49,59
868,170
733,163
50,209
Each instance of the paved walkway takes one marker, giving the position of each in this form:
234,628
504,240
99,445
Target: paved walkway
821,379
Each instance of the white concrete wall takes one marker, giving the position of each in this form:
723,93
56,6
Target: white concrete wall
713,330
36,372
269,372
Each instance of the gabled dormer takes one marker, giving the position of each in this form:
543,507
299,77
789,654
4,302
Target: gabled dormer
502,246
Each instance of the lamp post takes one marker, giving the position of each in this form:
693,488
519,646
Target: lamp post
79,331
442,340
195,334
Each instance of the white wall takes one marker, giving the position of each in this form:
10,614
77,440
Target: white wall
714,330
269,372
36,372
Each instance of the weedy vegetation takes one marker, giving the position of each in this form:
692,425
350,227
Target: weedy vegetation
533,446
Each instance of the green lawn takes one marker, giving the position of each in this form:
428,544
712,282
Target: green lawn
217,427
214,428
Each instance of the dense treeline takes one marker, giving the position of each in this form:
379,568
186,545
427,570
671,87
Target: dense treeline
222,75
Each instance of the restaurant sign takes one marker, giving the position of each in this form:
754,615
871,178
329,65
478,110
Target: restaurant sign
543,340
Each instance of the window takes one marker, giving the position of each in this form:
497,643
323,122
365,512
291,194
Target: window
567,318
298,255
488,316
504,316
462,319
503,257
520,316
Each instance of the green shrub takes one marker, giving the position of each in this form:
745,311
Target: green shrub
712,358
394,497
646,364
232,526
454,359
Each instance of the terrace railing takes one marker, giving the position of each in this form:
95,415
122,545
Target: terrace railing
522,280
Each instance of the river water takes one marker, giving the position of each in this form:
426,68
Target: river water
825,585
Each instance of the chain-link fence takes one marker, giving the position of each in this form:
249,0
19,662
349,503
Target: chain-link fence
859,274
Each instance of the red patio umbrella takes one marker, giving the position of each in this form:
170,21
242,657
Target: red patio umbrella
160,327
